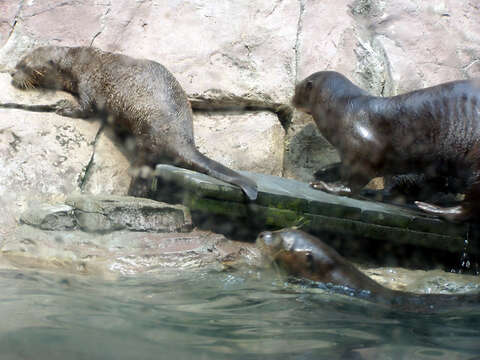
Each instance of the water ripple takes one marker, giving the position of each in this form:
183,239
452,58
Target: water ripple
214,316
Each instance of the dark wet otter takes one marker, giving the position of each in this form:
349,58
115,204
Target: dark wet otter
434,132
139,96
305,256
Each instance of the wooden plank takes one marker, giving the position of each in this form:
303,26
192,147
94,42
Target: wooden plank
281,202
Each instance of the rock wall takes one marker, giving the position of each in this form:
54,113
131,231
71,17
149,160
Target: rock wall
238,62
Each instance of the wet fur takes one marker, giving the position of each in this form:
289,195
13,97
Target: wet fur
305,256
433,132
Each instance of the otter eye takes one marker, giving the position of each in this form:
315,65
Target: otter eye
266,237
309,85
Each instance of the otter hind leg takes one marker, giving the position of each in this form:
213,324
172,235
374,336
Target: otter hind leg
462,212
453,213
332,188
351,182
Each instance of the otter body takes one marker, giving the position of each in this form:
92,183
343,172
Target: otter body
305,256
433,132
139,96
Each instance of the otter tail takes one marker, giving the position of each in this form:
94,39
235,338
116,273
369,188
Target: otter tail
203,164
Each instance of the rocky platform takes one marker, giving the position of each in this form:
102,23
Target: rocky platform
110,236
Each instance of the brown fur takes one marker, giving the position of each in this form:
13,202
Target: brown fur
305,256
140,96
434,132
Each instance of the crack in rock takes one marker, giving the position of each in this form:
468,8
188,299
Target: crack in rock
102,22
15,19
82,179
297,39
50,8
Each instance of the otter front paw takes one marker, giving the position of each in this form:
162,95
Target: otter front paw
337,189
69,109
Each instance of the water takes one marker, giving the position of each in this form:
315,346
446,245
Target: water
194,315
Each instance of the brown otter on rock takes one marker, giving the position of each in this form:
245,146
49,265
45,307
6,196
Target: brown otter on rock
140,96
433,132
305,256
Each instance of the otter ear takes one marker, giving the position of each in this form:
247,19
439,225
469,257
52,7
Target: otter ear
309,85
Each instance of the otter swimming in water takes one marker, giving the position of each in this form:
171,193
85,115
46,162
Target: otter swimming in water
305,256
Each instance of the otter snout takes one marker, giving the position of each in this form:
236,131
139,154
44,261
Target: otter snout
265,239
299,101
270,243
19,79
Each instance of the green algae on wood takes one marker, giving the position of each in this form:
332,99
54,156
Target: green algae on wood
283,202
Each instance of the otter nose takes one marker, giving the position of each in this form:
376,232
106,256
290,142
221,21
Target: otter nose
266,237
11,71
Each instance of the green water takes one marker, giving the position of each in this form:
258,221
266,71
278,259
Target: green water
248,315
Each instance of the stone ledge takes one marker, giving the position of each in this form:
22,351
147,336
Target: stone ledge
115,235
283,203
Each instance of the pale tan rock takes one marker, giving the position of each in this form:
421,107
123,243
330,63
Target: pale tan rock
41,155
122,252
8,11
109,170
114,235
245,47
327,38
63,23
429,43
251,141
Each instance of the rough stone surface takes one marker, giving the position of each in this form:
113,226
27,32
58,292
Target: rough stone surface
120,252
429,43
306,151
114,235
8,12
230,45
252,141
50,217
41,156
109,213
108,172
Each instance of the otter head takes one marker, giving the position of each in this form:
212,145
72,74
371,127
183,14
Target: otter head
298,254
323,88
40,68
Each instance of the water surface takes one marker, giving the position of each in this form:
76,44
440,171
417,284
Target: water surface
211,315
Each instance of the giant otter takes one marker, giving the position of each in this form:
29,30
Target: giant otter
139,96
305,256
434,132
